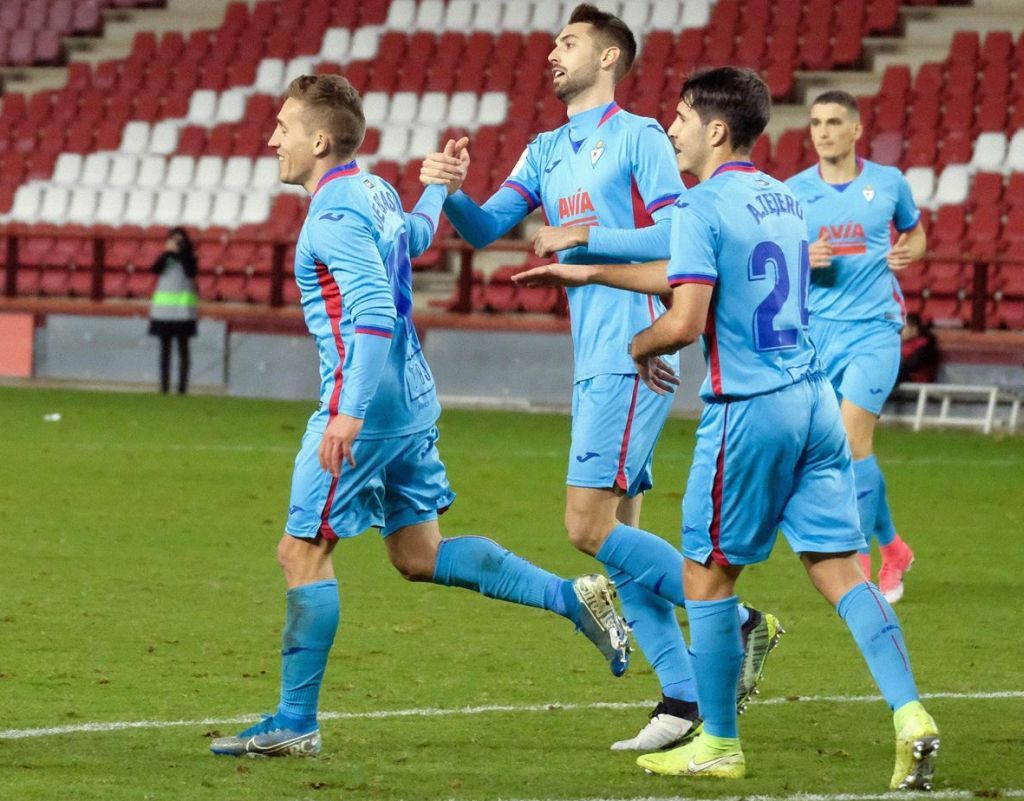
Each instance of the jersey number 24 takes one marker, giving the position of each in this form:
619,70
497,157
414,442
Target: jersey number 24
766,335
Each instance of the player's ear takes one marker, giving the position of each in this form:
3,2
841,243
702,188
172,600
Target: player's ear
609,57
322,144
718,132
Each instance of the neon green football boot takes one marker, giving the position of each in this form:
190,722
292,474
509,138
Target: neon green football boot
705,755
917,744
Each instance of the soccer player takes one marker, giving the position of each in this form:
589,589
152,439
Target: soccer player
369,455
771,452
855,301
607,181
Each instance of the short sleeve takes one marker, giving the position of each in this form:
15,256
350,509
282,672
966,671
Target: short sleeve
695,232
655,170
906,215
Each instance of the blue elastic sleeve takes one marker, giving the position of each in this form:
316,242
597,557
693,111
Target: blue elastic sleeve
369,353
422,220
632,244
481,225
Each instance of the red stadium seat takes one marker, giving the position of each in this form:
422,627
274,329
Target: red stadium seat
986,189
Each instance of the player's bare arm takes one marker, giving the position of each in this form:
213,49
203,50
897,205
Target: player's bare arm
676,328
337,441
449,167
909,247
647,278
550,239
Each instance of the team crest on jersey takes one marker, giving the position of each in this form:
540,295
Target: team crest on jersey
761,182
869,193
597,152
368,183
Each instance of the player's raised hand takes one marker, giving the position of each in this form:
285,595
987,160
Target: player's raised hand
657,374
336,443
554,275
820,253
550,239
899,254
449,167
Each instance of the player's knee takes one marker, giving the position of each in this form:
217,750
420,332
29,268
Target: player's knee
582,532
412,566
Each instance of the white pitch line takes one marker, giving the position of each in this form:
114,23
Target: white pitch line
439,712
938,795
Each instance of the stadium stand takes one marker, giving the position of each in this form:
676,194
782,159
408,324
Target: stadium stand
92,173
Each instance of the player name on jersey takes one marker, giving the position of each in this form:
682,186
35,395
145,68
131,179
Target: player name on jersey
770,203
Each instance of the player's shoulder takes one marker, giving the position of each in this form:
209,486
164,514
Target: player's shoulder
881,172
342,199
804,177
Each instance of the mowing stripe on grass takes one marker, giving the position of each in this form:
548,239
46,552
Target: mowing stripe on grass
123,725
938,795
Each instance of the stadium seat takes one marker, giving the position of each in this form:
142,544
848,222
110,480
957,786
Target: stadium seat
67,169
989,151
95,169
1014,161
167,209
180,171
139,207
952,185
110,207
208,172
164,138
27,203
123,170
922,184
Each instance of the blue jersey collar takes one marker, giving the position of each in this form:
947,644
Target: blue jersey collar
584,123
735,166
341,171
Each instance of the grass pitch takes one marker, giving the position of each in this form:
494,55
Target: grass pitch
139,585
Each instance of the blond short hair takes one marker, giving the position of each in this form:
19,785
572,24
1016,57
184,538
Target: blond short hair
333,104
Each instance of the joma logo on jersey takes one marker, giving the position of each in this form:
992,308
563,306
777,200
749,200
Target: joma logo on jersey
575,205
850,230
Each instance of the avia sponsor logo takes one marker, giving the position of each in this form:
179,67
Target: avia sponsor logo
577,209
847,239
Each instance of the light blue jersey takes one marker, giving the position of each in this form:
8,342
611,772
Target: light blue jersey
855,218
606,169
743,232
353,269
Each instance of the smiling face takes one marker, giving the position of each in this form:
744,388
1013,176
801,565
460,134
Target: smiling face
298,143
691,138
834,131
575,61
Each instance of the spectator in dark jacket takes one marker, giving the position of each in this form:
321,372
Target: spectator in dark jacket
175,306
919,357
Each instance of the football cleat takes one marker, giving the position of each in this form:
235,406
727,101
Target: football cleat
917,745
268,739
698,758
894,567
664,730
760,634
597,619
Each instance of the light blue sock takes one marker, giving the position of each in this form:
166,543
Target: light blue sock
656,630
481,565
866,476
310,625
717,658
885,531
878,634
654,563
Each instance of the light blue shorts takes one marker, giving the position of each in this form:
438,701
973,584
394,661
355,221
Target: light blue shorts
616,421
396,482
775,461
861,358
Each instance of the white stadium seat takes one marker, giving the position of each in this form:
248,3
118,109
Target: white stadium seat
429,15
989,151
458,15
300,65
922,184
375,108
151,172
547,17
265,173
404,108
82,207
516,16
365,43
202,108
400,15
665,15
433,109
226,209
180,170
167,210
696,14
423,140
462,111
209,170
95,169
195,210
636,14
255,208
124,168
493,108
139,208
487,17
135,138
269,76
952,186
67,169
231,106
26,203
1015,154
335,44
237,173
110,207
164,140
54,205
394,141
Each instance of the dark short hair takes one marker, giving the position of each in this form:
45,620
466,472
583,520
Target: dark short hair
838,96
612,30
334,104
734,95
